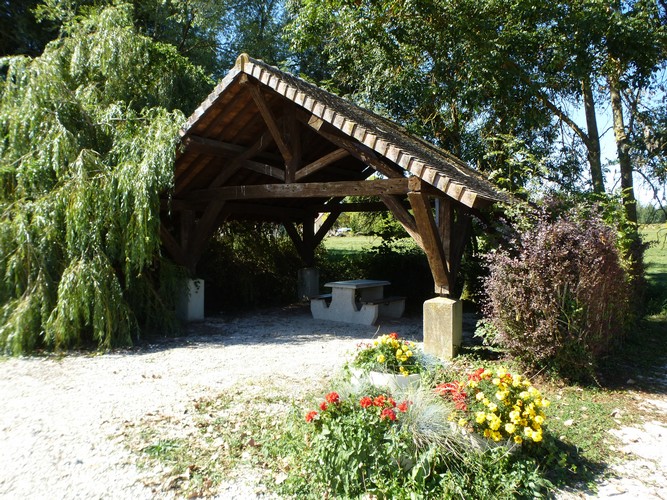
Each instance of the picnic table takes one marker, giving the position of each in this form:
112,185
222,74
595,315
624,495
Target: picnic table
356,301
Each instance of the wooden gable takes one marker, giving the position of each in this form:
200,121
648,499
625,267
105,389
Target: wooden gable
267,145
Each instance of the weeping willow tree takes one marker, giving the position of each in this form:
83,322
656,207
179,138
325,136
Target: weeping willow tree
87,140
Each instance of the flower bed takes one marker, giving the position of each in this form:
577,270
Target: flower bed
497,405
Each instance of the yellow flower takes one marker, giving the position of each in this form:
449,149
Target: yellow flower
539,419
510,428
524,395
408,353
501,395
496,381
463,422
492,406
381,358
496,436
479,396
537,436
480,417
528,432
518,439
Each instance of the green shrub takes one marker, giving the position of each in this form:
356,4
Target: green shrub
247,265
561,300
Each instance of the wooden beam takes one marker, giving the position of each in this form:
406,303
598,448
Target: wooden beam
326,227
402,215
357,149
237,162
269,119
265,169
319,164
171,245
294,235
309,243
221,148
205,228
368,206
294,136
431,242
376,187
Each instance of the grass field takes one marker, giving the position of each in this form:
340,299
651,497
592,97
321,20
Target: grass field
349,244
656,254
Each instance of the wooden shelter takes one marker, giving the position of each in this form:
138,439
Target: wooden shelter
267,145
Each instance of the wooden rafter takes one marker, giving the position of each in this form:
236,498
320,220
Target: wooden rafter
263,168
321,163
221,148
269,119
355,148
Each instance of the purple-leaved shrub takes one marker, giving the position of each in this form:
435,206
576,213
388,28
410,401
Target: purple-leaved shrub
560,300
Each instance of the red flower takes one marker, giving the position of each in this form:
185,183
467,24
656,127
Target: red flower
392,402
476,375
388,413
448,388
332,397
403,407
393,336
310,416
380,400
366,402
455,392
323,406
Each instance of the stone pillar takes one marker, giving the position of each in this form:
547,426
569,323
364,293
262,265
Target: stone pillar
190,304
443,327
308,283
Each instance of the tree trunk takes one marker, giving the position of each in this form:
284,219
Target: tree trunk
622,145
593,137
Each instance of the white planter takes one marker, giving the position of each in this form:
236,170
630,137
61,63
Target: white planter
390,381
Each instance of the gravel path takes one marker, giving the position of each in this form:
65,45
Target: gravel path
62,419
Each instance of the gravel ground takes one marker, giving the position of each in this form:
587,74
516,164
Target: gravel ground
62,420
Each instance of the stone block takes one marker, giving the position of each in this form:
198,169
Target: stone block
443,327
308,283
190,304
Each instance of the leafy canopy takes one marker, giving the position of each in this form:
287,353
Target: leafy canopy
87,142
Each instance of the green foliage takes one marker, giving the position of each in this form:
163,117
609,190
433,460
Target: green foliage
544,302
88,134
248,265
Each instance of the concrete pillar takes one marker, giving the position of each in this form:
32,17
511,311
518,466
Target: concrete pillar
308,282
190,304
443,327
